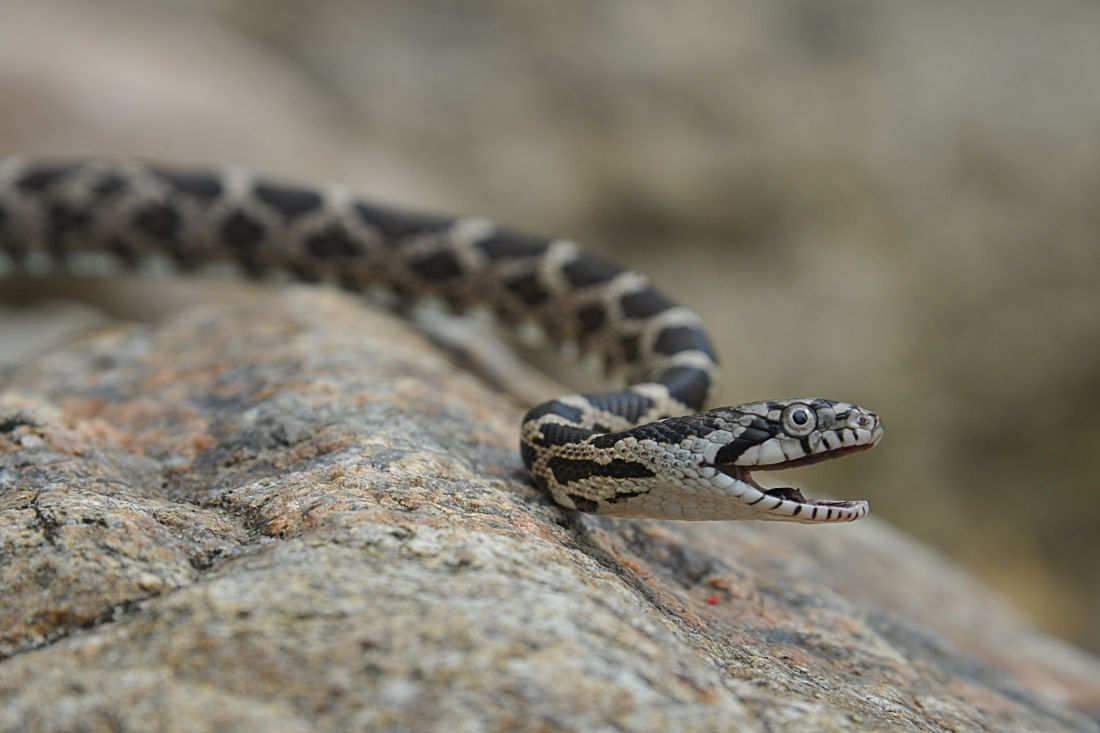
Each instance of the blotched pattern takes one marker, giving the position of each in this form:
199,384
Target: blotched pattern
626,452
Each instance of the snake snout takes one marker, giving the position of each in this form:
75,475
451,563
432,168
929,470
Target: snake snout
863,419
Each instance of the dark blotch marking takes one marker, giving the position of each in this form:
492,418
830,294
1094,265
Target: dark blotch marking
124,251
631,348
199,185
159,221
62,220
645,303
332,242
629,405
573,414
591,317
610,439
554,434
583,503
241,231
731,451
396,225
290,201
700,425
670,430
438,266
568,470
765,425
587,270
527,289
109,185
687,384
529,454
503,244
675,339
42,177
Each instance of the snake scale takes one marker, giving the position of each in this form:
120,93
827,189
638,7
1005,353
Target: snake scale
646,450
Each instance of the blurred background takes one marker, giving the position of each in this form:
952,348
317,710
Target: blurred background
895,204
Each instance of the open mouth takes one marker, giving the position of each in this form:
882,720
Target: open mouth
790,493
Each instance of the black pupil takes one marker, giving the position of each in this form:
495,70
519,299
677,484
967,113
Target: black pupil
800,417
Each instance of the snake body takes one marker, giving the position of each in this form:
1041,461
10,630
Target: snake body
646,450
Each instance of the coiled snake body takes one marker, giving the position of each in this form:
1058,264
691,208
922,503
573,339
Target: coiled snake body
627,452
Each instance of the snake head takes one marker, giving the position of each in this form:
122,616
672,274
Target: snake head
773,435
699,466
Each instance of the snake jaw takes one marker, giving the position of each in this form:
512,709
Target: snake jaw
788,503
787,493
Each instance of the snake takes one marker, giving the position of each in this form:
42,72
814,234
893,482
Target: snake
647,448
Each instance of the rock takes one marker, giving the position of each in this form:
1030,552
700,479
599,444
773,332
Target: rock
286,511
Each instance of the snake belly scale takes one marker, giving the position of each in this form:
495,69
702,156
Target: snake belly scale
646,450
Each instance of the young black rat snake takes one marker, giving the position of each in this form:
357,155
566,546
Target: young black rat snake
624,452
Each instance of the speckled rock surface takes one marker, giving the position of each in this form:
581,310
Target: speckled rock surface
288,512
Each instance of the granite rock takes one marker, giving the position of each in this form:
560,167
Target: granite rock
287,511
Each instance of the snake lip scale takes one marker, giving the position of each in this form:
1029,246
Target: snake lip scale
645,450
818,458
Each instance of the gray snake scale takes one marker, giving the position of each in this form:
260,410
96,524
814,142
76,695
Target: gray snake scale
626,452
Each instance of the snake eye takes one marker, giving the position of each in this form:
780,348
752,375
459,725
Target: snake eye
799,420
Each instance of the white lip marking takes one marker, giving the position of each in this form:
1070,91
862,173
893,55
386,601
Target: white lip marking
792,448
770,453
